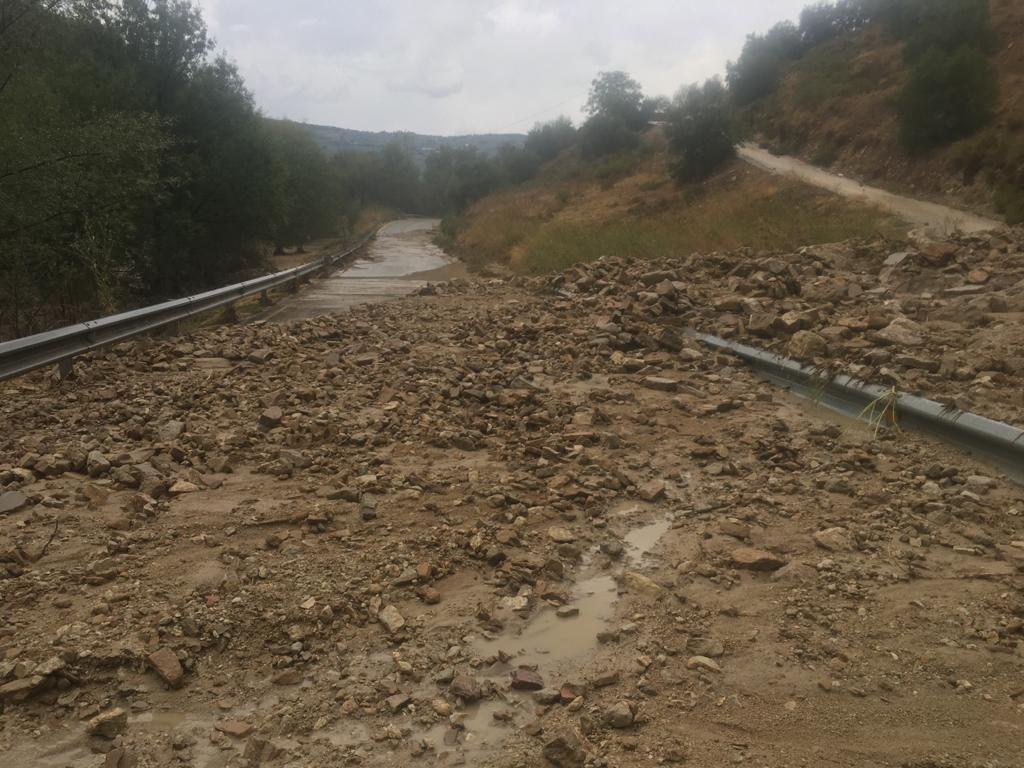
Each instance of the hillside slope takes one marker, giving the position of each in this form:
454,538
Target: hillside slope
837,107
628,205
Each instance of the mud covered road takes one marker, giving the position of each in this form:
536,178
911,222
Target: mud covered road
400,259
506,523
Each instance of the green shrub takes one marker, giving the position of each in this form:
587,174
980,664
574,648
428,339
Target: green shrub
756,73
547,140
825,155
1009,200
946,98
605,135
700,132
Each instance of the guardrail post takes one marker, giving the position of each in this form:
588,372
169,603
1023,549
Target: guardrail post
65,367
230,314
265,298
293,286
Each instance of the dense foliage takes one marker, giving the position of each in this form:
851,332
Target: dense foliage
617,113
946,98
762,63
700,132
135,163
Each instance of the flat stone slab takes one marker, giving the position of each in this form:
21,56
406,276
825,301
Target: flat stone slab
12,501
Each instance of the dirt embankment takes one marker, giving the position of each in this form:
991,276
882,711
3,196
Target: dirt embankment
338,542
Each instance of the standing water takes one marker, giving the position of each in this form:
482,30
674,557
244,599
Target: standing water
402,258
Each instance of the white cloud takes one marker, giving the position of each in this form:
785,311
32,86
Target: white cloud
458,66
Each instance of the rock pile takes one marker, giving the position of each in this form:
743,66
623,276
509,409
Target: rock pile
361,539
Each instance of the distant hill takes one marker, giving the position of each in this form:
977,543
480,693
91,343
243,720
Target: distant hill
345,139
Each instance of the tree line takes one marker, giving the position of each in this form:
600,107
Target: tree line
137,167
135,162
950,91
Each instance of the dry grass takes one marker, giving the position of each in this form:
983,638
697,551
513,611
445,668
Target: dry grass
548,226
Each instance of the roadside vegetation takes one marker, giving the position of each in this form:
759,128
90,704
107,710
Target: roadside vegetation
570,215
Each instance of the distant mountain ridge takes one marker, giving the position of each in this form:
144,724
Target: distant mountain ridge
334,139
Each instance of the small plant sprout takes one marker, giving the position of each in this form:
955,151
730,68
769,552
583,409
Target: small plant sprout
881,412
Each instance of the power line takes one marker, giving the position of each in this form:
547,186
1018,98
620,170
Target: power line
541,112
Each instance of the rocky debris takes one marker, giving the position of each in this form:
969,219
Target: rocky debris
392,620
179,487
431,445
287,677
561,535
271,417
398,702
12,501
620,715
652,490
165,663
22,688
858,307
96,464
703,663
661,384
171,431
235,728
466,687
565,751
807,345
756,559
642,585
109,724
902,332
833,539
526,679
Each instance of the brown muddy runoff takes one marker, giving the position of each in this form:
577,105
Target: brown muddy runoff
401,259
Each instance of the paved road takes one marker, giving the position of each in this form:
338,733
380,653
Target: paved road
935,219
401,259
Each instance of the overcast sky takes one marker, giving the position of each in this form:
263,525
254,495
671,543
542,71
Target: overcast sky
471,66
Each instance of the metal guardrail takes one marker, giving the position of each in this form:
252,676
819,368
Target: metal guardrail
61,345
995,442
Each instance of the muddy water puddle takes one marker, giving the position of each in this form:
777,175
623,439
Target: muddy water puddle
163,723
552,641
476,731
552,638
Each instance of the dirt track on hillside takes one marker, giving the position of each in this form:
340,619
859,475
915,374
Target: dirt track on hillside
936,220
334,542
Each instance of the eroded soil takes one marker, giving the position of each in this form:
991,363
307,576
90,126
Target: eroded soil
335,542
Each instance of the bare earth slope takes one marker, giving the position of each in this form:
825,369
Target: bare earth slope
318,544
